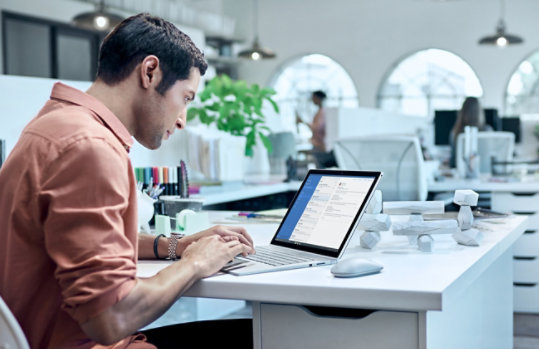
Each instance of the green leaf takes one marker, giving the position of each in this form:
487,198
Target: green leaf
266,141
205,118
192,113
214,106
274,104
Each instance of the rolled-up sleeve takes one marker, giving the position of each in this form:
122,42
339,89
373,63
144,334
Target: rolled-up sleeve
85,197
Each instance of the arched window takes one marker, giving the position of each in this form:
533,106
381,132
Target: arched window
522,94
428,80
298,78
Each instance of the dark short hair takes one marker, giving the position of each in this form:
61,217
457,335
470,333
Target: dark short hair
320,94
141,35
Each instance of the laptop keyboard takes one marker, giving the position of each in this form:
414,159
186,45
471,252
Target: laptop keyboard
273,257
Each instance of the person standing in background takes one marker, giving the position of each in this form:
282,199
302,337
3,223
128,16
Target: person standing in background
470,114
323,157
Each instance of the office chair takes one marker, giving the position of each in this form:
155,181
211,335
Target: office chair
398,157
11,334
283,146
491,146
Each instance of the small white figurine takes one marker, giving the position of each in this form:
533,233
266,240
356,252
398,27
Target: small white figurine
465,199
467,236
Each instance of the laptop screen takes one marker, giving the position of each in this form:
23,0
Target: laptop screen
325,210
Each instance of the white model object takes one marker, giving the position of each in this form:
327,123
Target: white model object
465,199
373,222
467,236
416,229
414,207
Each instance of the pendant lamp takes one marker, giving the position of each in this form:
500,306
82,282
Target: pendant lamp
501,38
98,19
256,51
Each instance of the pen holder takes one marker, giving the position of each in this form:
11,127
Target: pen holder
174,204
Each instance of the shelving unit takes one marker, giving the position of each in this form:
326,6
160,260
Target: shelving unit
225,62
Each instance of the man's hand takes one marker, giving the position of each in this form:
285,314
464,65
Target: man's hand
211,253
225,232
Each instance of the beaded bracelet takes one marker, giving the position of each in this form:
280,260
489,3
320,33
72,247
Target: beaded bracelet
156,244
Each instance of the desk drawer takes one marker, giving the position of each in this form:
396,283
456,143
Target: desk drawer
526,269
509,202
290,326
527,245
526,298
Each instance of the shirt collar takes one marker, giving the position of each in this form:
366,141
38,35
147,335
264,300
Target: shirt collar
71,95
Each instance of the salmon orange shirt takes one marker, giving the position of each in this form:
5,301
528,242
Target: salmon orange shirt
68,220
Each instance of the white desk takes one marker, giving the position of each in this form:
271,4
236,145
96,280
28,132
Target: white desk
247,191
519,198
454,297
451,184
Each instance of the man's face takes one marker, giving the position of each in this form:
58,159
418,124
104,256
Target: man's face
162,114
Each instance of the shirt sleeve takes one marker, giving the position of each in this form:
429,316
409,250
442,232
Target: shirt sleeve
84,196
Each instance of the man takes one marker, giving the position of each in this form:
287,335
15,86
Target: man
68,201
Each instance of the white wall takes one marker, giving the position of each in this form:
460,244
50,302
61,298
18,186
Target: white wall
368,37
65,10
23,97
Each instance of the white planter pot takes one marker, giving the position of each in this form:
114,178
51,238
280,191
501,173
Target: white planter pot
259,163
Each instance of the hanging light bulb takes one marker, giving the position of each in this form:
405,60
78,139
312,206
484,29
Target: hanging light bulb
97,20
501,38
256,51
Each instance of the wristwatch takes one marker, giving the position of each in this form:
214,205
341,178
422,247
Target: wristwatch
172,243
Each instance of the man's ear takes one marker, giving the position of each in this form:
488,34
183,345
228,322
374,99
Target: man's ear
150,72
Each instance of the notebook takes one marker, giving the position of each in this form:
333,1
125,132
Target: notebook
318,224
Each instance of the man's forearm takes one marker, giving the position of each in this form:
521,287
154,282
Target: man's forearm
146,247
148,300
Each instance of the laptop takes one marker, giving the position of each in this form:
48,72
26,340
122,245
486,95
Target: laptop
318,224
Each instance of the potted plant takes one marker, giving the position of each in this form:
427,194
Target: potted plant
235,107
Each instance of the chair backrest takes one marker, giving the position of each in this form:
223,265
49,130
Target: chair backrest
284,146
11,334
490,144
398,157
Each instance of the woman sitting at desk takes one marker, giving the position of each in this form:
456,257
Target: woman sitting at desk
318,128
469,115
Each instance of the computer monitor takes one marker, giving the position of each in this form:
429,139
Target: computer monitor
512,124
443,123
445,119
491,145
492,118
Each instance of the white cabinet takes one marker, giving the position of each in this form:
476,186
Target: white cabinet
305,328
525,250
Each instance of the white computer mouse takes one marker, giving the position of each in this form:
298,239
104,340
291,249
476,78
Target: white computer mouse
354,266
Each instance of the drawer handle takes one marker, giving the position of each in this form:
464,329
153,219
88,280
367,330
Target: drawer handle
530,231
524,194
527,213
339,312
524,284
518,258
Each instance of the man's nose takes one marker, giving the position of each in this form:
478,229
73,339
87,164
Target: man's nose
180,124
